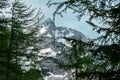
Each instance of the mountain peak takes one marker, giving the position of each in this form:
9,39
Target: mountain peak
56,45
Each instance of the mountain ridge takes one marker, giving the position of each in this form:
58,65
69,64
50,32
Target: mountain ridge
57,47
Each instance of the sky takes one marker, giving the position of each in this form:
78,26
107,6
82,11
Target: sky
68,20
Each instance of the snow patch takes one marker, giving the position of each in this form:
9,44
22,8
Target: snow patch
48,52
56,77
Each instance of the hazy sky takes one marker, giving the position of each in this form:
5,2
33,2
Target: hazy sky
68,20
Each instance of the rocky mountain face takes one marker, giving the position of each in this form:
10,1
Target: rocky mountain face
54,48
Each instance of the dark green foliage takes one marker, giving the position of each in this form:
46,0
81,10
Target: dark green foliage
32,74
18,42
79,59
4,40
104,51
4,35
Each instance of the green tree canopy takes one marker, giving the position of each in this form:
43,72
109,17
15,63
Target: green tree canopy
104,50
19,39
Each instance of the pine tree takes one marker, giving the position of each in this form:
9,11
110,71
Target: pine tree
4,37
3,27
24,29
104,49
20,35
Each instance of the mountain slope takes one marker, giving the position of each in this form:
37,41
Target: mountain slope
55,47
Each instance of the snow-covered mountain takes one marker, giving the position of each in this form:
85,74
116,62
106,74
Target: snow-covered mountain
54,47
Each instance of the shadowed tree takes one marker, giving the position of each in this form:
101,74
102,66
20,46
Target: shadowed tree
4,37
20,38
104,49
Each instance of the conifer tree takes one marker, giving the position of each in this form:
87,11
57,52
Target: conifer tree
4,37
20,35
24,35
104,49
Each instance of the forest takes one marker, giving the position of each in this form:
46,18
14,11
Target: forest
22,41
